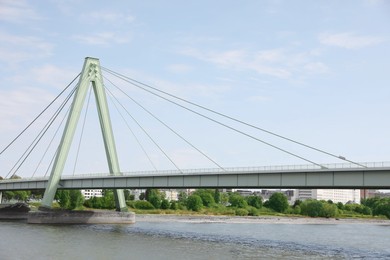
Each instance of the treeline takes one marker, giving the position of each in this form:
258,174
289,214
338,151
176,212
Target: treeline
215,202
210,201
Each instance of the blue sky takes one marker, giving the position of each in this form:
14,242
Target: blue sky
314,71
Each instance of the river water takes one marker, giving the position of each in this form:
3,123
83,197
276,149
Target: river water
180,240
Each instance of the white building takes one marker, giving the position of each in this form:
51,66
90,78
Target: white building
335,195
171,195
91,193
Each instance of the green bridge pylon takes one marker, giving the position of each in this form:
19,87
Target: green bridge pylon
90,76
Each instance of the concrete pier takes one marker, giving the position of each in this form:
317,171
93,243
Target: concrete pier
18,211
80,217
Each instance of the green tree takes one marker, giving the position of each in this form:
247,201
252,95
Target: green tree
278,202
340,205
194,202
217,196
328,210
154,197
108,200
236,200
63,198
207,196
165,204
76,199
127,194
69,199
382,207
224,198
155,201
174,205
255,201
182,197
311,208
142,204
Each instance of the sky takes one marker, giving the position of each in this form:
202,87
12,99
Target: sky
313,71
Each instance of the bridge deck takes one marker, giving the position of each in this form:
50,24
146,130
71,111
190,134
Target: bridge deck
348,178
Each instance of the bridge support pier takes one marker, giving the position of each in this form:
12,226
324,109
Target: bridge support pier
91,74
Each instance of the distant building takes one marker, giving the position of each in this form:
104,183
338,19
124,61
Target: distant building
92,193
366,194
171,194
335,195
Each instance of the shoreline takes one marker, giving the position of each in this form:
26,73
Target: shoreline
160,218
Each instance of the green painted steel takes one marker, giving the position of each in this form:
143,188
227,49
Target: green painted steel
359,178
91,73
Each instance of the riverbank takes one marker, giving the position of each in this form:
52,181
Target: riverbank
259,219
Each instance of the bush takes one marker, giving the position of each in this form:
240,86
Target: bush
207,196
194,202
241,212
164,204
252,211
254,201
130,203
143,204
174,205
315,208
328,210
236,200
155,201
278,202
297,210
311,208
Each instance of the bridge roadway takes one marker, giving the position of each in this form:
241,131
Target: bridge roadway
337,176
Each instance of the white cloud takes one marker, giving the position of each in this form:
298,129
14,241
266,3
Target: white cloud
259,99
53,76
103,38
108,17
17,11
15,49
20,106
348,40
179,68
278,63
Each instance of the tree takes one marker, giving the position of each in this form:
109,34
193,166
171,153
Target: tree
236,200
194,202
206,196
278,202
76,199
328,210
154,197
164,204
182,197
69,199
254,201
127,194
382,207
217,196
174,205
63,198
311,208
155,201
224,198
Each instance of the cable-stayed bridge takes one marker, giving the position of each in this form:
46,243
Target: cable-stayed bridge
350,174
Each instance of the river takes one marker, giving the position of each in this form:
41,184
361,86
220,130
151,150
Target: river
195,240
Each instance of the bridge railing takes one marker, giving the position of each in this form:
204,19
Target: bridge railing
219,170
244,169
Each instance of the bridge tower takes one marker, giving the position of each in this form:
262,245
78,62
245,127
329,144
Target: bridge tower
90,76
